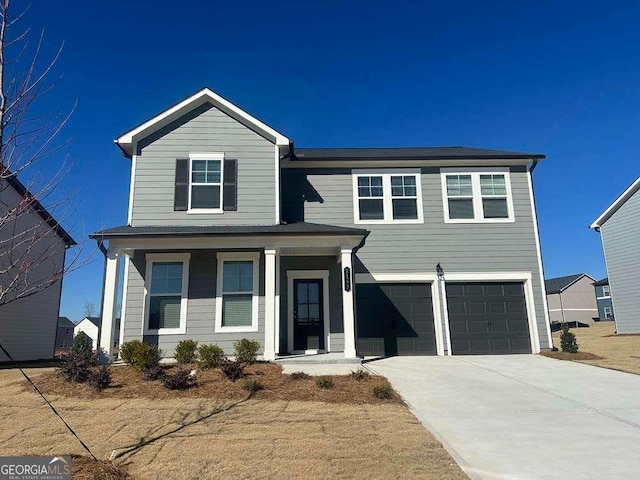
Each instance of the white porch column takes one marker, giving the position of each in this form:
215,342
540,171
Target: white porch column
109,302
270,303
347,302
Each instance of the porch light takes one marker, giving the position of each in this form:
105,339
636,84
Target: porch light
440,272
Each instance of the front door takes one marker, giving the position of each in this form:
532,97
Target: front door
308,315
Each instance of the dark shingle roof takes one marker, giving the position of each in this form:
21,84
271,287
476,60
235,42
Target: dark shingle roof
290,229
556,285
65,322
19,187
97,321
603,281
408,153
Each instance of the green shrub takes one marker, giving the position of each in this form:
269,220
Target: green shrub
325,382
383,392
186,351
233,370
210,356
246,351
129,351
299,376
252,386
101,378
568,341
360,375
82,344
180,380
139,354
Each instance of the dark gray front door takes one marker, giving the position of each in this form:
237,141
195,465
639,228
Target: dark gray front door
488,318
395,319
308,315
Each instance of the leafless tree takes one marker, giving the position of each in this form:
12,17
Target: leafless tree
31,249
89,309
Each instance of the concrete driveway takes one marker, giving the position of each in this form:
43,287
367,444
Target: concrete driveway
524,416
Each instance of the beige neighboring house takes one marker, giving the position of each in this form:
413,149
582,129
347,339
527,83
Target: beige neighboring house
572,299
32,255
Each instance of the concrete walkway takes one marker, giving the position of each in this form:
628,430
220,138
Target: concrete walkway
524,416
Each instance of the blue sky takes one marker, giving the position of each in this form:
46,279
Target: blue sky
559,78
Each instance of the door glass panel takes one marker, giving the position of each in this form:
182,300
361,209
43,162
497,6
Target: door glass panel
314,312
303,313
314,295
302,292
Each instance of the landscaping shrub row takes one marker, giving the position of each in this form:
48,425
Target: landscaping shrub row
325,382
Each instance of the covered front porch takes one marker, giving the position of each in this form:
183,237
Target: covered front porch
302,298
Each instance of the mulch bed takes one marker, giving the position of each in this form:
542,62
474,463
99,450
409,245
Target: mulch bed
128,382
571,356
86,468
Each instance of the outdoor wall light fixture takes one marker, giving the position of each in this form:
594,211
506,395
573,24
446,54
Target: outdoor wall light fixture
440,272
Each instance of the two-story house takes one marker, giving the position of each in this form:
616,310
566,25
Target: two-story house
233,232
603,297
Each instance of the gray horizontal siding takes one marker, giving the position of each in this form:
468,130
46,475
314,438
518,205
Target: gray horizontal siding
620,236
28,326
201,305
326,196
205,130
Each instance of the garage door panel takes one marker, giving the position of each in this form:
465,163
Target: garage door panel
488,318
400,313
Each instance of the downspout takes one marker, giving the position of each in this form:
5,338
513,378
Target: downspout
102,248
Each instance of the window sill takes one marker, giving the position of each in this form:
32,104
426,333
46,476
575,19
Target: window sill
387,222
203,211
166,331
483,220
249,329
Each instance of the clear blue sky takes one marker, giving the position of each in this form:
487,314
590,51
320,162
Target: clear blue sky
560,78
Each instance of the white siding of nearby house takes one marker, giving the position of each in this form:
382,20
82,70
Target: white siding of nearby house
90,329
578,303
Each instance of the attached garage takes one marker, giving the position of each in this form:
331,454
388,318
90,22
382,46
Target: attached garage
395,319
488,318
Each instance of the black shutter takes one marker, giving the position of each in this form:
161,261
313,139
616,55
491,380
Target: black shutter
181,192
230,186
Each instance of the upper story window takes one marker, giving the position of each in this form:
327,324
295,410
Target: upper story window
606,291
205,182
471,196
387,196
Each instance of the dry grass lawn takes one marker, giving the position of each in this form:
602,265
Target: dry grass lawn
618,352
190,437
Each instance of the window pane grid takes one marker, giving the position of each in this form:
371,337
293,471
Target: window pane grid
370,187
387,197
205,172
206,184
404,186
477,196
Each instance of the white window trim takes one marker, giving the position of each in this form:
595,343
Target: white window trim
387,199
238,256
152,258
606,294
477,194
608,313
207,156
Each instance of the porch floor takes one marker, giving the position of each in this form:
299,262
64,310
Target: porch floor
331,358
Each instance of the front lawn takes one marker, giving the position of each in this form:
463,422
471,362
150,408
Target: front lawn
618,352
291,429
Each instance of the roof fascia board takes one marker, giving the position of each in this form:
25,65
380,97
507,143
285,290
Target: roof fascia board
579,278
467,162
128,139
613,208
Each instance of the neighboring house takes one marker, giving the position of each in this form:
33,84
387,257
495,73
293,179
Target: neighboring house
92,327
64,335
619,227
603,297
232,232
571,300
28,324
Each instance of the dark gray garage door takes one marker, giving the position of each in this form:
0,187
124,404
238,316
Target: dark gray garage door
395,319
488,318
